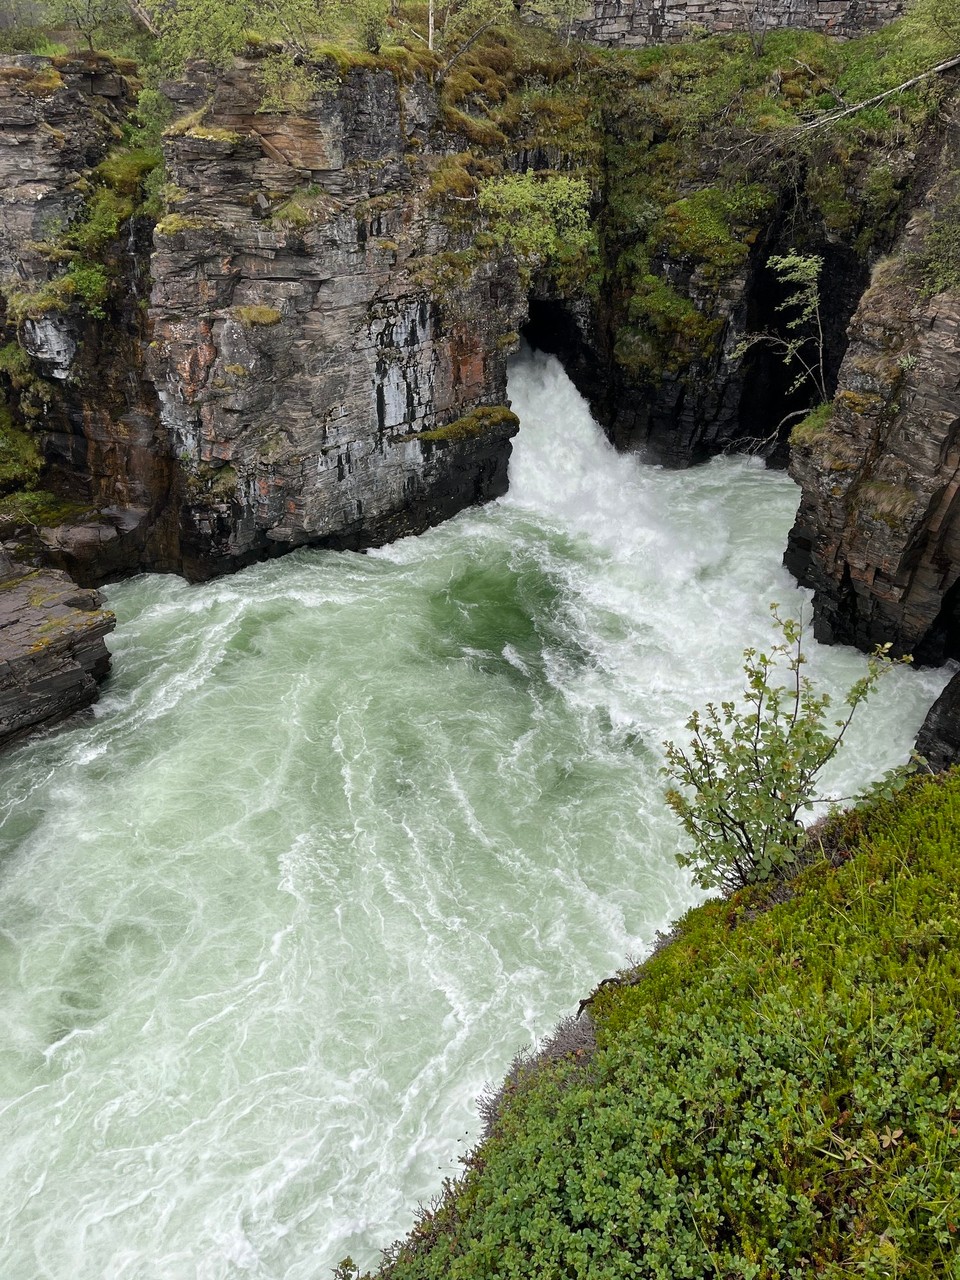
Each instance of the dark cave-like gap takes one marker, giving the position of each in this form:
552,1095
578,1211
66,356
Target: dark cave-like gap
553,327
767,397
942,641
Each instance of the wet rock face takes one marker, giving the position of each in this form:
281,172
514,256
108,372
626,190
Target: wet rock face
311,313
939,738
93,411
878,530
309,323
52,648
55,124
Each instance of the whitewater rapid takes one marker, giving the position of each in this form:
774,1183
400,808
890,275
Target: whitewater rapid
345,832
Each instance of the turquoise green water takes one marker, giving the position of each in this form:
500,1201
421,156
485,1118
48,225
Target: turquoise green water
348,830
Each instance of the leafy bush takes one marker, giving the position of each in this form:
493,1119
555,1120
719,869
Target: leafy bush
20,460
89,284
543,218
750,770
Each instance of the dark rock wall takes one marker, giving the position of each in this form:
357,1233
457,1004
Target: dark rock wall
260,380
878,531
94,411
52,650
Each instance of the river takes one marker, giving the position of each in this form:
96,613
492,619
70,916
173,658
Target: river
345,832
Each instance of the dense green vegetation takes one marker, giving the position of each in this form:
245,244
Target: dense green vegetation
776,1093
703,141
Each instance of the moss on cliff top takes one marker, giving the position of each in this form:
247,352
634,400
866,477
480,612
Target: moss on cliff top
774,1094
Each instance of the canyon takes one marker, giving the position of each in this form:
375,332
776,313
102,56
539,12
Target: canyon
304,341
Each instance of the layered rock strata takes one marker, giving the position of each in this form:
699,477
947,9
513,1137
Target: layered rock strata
326,366
82,387
52,647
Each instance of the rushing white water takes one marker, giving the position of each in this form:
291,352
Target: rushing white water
345,832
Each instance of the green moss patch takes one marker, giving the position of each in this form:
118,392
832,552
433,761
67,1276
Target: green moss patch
203,133
37,83
813,426
713,225
481,421
663,331
124,171
175,223
256,316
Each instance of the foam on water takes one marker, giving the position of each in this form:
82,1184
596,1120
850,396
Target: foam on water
344,832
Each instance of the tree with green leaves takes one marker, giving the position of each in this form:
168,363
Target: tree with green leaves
801,347
750,770
95,21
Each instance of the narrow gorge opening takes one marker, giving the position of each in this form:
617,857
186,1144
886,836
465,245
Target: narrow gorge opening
769,394
553,328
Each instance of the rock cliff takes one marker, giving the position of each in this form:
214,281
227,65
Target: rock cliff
326,372
301,337
878,531
308,360
74,368
52,649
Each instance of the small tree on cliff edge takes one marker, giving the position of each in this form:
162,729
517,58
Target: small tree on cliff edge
801,347
750,770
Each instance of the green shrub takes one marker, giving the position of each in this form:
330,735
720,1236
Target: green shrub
88,284
20,459
939,259
540,216
749,770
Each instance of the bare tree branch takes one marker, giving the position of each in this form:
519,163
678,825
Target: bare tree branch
140,14
831,116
